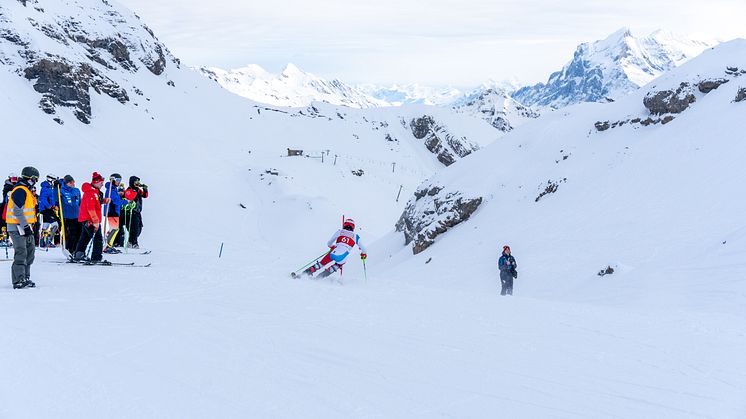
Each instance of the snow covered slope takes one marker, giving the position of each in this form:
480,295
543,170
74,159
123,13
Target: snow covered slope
611,68
597,184
293,87
196,335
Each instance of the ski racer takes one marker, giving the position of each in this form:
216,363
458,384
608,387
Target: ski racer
340,245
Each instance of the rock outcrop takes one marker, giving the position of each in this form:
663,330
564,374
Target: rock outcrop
431,212
670,101
439,141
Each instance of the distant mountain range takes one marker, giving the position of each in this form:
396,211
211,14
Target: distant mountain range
611,68
599,71
292,87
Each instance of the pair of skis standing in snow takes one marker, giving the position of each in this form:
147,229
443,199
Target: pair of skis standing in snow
340,245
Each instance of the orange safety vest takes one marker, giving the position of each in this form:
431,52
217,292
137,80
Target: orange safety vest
29,207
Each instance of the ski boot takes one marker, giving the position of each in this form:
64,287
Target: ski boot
312,269
19,285
28,283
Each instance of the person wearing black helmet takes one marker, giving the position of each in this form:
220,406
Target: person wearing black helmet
508,273
21,216
133,211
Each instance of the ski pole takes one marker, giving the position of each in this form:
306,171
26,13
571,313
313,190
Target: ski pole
365,271
63,239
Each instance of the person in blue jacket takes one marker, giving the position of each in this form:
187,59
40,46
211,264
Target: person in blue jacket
48,207
507,266
70,211
111,211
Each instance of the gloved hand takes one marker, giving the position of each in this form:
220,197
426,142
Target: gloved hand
332,247
27,231
363,256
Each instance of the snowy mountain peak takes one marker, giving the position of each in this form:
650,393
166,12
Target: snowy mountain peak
293,87
291,71
613,67
70,50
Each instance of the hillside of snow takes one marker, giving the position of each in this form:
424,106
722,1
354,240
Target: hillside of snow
415,336
611,68
292,87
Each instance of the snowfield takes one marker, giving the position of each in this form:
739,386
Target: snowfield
419,336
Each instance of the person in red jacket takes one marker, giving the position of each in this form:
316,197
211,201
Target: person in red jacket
90,218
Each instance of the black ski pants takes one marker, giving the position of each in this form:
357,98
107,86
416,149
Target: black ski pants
72,234
90,232
507,283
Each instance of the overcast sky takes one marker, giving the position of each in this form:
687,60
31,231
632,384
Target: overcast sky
436,42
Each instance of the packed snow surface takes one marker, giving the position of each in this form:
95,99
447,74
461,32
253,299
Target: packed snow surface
197,335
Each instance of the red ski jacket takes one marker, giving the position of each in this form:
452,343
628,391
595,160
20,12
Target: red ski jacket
90,205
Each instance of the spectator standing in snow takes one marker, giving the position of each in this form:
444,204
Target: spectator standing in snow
48,207
90,217
112,210
21,214
507,266
133,211
70,211
7,187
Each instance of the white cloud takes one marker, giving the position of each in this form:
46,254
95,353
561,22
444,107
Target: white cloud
436,42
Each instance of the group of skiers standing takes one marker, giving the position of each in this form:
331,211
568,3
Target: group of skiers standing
29,219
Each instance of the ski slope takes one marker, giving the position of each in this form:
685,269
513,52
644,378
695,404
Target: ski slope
423,336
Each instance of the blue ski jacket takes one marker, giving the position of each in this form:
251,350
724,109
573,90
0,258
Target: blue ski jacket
70,202
116,201
48,196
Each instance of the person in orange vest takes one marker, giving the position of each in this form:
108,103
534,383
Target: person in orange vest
20,214
91,217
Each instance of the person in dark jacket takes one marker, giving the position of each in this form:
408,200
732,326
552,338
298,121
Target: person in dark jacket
48,207
507,266
21,214
7,187
70,210
112,210
133,213
91,217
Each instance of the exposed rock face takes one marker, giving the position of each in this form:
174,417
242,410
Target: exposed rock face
431,212
670,101
68,50
706,86
446,146
62,84
495,106
741,95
